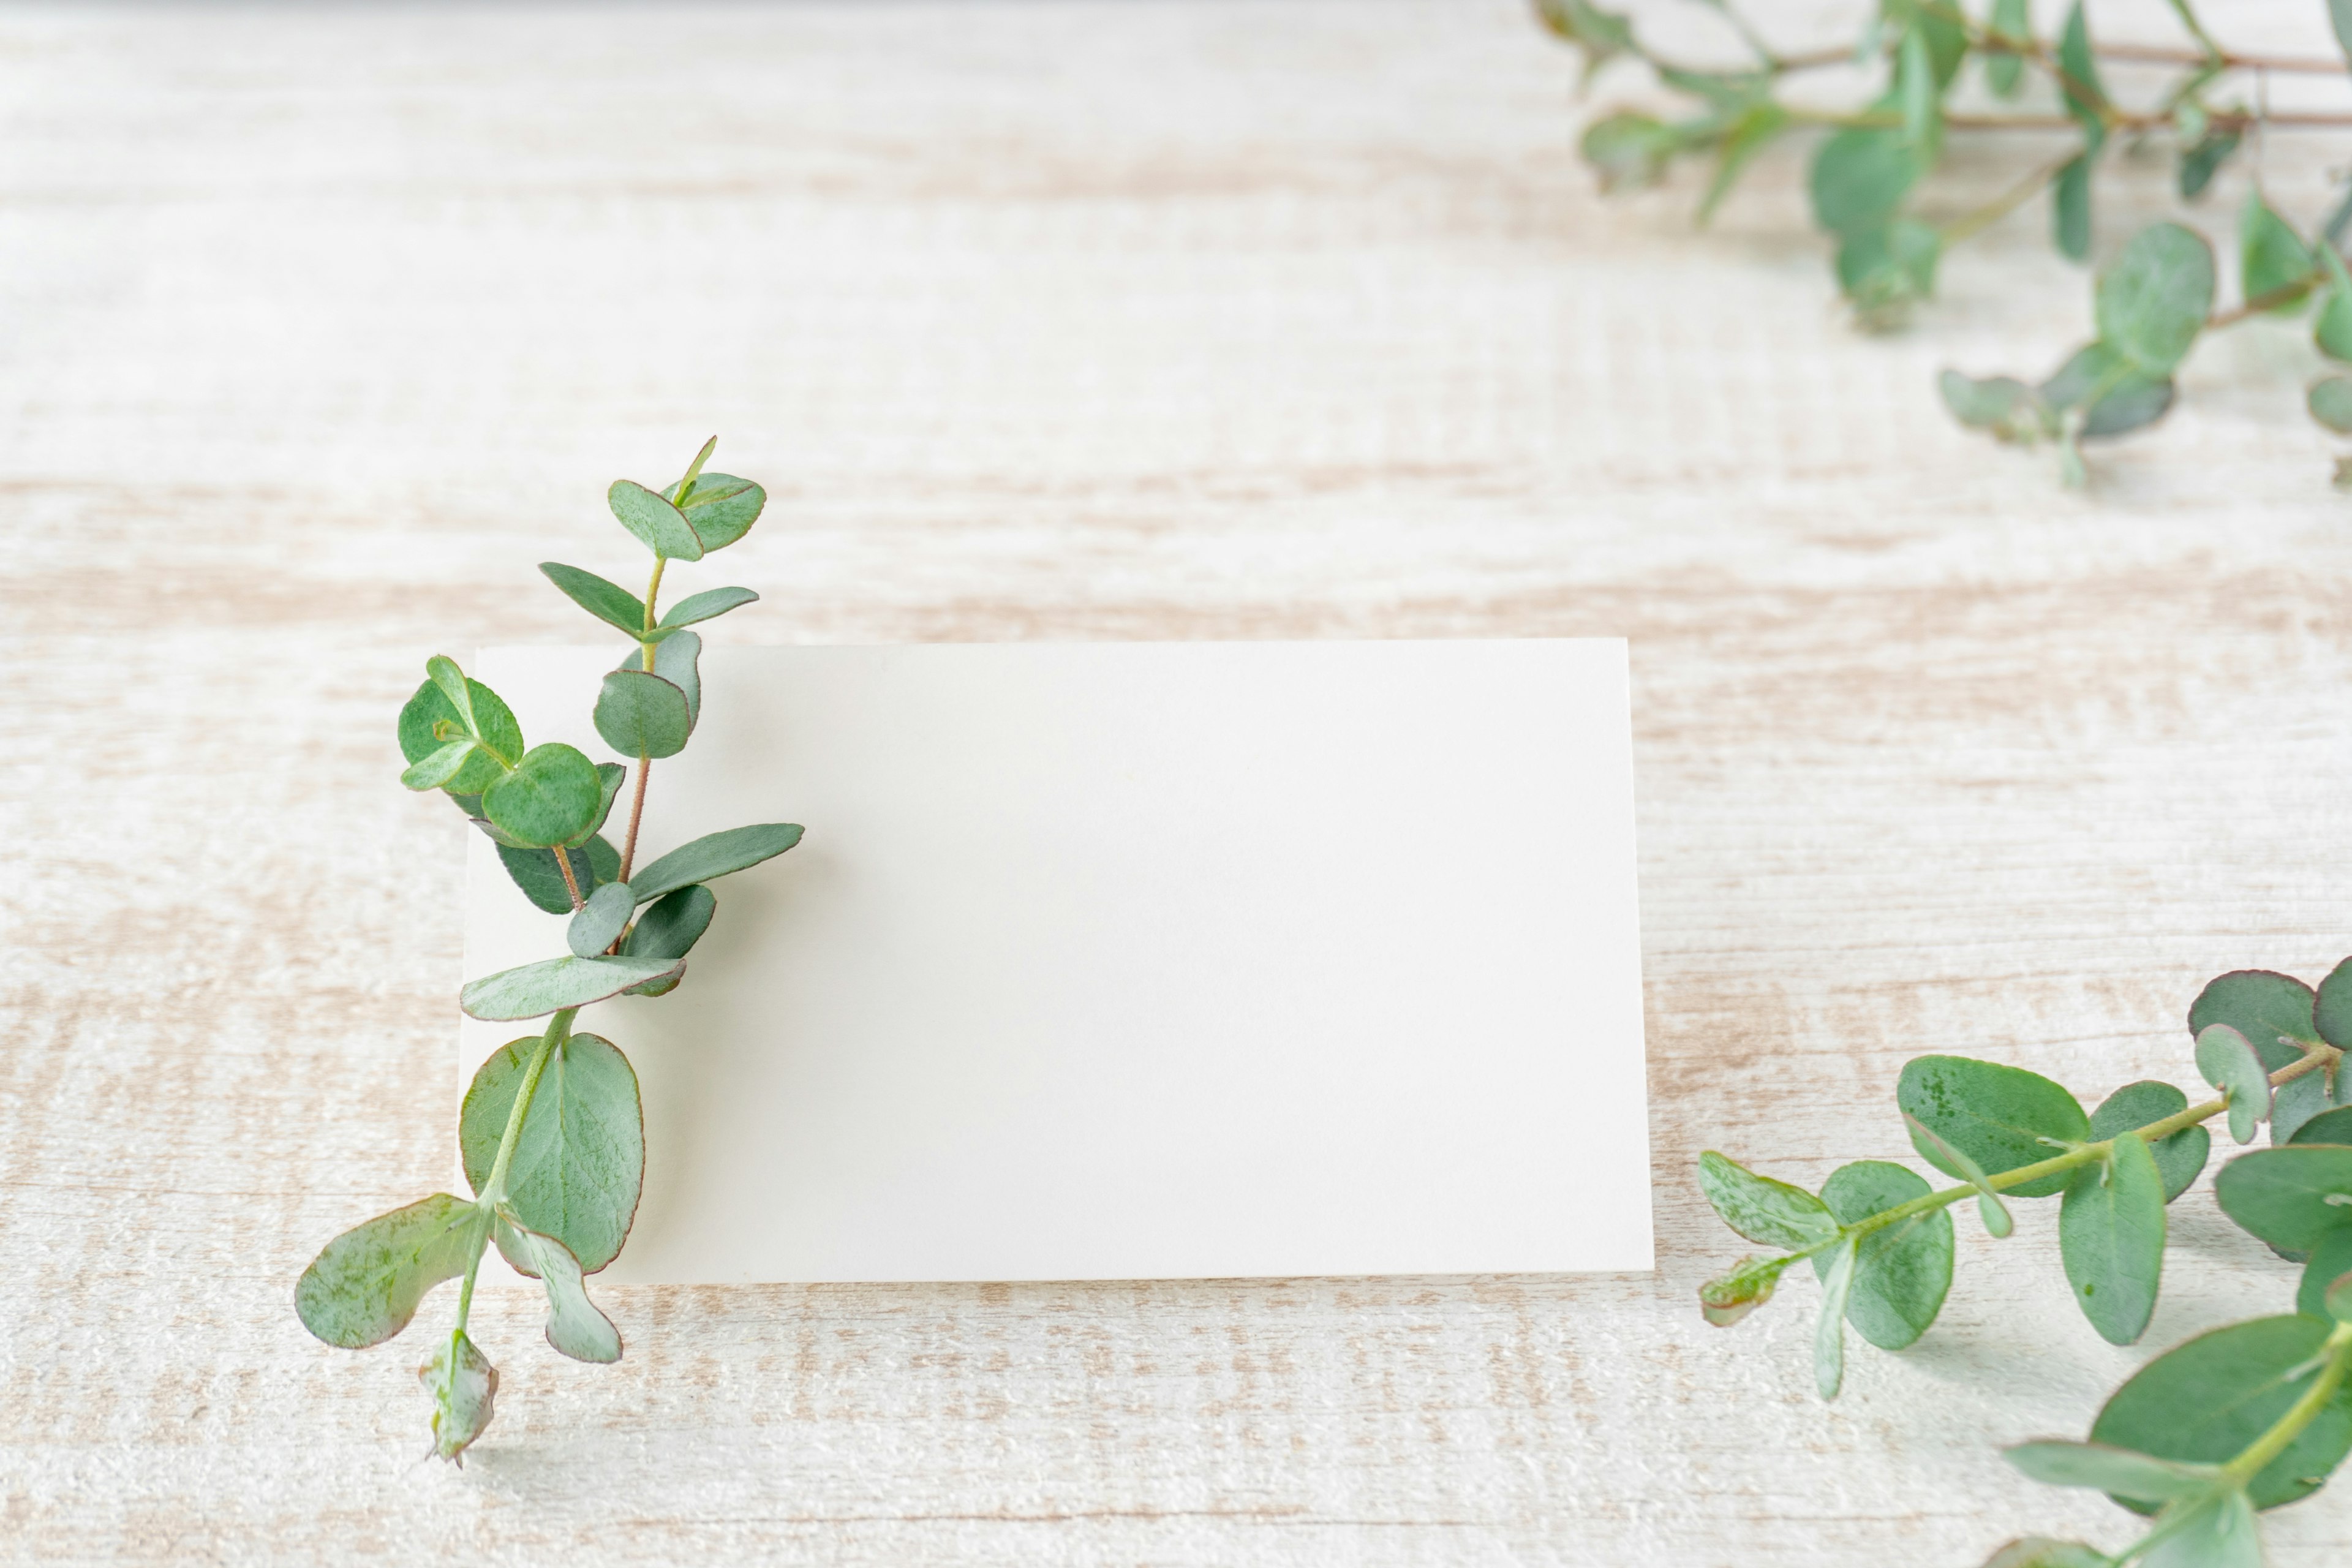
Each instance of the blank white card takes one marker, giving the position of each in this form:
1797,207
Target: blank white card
1131,960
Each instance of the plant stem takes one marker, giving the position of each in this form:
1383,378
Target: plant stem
645,763
494,1185
1970,223
570,883
2285,293
2314,1058
2301,1413
653,591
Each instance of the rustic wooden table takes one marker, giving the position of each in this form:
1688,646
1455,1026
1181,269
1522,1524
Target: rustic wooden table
319,327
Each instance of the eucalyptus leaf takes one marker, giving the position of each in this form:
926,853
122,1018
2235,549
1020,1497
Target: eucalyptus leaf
2337,1298
1749,135
641,715
2000,1117
2228,1063
2272,255
680,662
2152,303
2041,1552
1995,1214
1901,1273
2290,1196
440,767
2070,209
2339,16
364,1286
535,990
536,873
1829,1331
706,605
608,602
713,856
669,927
1770,1212
2078,80
2275,1012
1723,1301
1631,151
2332,1007
575,1326
1860,177
2201,156
553,797
2111,1237
2332,331
463,1386
2011,21
2329,1262
658,526
1602,36
2207,1401
1887,269
722,509
443,672
2179,1157
2007,407
502,736
2330,401
1919,94
2330,1126
610,777
2122,1472
685,487
601,919
2216,1530
578,1159
2113,395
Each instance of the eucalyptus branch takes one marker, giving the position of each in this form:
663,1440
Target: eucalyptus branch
2204,1436
555,1184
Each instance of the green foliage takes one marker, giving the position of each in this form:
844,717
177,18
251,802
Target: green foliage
551,1133
2241,1419
1877,157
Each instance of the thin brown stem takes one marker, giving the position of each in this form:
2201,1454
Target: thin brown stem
570,883
2284,294
636,810
1973,223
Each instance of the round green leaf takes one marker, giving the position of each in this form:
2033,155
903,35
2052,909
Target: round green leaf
430,705
2228,1063
2179,1158
553,797
1859,178
2334,1126
659,526
579,1160
2331,332
715,854
1885,268
535,990
601,919
641,715
1902,1273
1770,1213
1630,151
364,1286
2111,1237
2000,1117
678,661
720,509
2207,1402
2332,1007
2330,401
2330,1261
2001,404
2260,1004
2289,1196
541,881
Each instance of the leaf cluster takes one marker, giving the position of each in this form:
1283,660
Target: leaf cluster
552,1131
2151,305
2245,1418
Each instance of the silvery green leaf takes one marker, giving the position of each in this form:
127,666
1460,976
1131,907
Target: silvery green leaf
601,919
575,1326
1770,1212
1902,1272
2206,1402
1887,269
611,776
641,715
440,767
2332,331
722,509
2272,257
535,990
1723,1301
2111,1237
364,1286
2292,1196
2078,80
671,926
1828,1331
2339,16
1860,177
2228,1063
2330,401
463,1386
713,856
2217,1530
1921,96
683,488
2003,406
2041,1552
658,526
534,870
2000,1117
706,605
2201,155
608,602
2179,1157
2012,22
1599,36
2113,395
2122,1472
579,1159
1750,134
552,796
677,661
2070,209
2329,1265
1995,1214
2154,300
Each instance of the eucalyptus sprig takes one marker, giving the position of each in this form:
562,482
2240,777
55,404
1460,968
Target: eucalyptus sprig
2208,1434
550,1134
2151,307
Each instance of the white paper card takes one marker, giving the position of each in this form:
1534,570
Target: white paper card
1131,960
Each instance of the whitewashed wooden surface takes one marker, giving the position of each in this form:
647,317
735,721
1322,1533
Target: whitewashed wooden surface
320,326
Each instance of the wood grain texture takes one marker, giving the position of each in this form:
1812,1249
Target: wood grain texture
320,326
